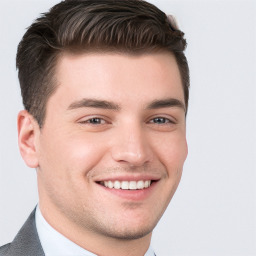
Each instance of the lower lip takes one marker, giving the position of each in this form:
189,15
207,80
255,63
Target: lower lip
133,195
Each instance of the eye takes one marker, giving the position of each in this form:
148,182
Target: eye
162,123
160,120
96,120
93,121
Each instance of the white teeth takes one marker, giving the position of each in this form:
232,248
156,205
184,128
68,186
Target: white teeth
117,185
125,185
110,184
140,184
131,185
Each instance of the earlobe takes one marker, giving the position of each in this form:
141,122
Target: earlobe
27,131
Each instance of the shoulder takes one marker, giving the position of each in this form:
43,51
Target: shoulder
4,249
26,242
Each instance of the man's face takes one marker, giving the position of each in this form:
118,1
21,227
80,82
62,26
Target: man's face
114,120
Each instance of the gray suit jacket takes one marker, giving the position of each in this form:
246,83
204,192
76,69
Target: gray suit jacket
26,242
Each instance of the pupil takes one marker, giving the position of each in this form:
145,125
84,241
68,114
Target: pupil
95,121
160,120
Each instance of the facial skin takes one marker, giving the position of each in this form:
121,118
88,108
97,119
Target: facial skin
113,117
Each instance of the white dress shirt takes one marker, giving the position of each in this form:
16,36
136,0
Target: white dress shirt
55,244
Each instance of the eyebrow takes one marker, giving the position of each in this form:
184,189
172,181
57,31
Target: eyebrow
93,103
165,103
102,104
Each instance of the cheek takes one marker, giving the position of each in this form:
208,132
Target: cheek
70,153
85,152
64,164
172,152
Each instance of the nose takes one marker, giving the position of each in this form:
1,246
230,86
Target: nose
131,146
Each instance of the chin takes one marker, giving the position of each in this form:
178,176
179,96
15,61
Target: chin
130,234
128,229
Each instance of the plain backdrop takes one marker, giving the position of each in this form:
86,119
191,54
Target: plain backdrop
213,212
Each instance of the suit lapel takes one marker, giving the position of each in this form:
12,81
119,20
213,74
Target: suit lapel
26,242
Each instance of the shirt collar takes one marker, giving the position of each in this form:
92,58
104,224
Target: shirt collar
54,243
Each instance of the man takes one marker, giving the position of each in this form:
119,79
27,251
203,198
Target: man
105,89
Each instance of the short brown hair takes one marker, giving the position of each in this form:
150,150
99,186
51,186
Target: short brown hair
129,26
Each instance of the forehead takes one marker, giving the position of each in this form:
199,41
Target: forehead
121,76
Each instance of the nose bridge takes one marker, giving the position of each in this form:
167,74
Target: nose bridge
131,145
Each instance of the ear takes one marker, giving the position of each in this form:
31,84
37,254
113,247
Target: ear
27,131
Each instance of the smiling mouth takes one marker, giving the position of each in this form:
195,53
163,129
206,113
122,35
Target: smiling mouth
126,185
